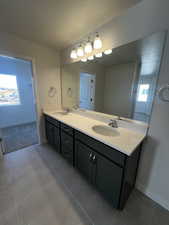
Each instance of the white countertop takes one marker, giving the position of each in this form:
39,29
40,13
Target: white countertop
126,142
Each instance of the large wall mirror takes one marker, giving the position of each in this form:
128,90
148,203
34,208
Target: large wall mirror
122,83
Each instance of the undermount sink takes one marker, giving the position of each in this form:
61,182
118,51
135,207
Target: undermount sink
105,130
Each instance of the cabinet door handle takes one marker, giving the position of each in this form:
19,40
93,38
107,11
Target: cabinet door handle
66,129
94,159
90,156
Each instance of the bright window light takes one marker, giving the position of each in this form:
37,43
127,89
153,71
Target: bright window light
9,94
143,92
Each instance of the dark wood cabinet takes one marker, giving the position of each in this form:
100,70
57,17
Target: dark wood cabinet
101,172
110,171
107,178
67,129
108,152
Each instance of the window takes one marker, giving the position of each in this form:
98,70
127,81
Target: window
143,92
9,94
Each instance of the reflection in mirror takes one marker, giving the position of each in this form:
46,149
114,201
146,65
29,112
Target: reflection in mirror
122,83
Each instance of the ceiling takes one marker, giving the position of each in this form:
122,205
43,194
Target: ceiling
58,23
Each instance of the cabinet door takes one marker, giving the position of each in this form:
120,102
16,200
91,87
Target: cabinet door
67,147
83,156
50,133
108,178
56,138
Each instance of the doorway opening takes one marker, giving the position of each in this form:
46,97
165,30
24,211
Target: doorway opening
87,91
18,116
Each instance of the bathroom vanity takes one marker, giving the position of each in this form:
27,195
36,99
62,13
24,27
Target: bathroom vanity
107,164
114,96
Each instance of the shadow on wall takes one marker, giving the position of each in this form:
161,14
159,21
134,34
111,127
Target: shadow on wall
146,163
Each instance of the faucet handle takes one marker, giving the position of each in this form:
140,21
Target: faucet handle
75,107
113,123
118,118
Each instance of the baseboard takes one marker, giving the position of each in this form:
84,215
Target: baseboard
153,196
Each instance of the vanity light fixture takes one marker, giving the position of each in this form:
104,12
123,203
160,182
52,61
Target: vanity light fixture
88,47
98,55
108,51
73,54
91,57
80,51
97,42
84,60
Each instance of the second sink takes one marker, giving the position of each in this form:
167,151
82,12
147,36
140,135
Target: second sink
105,130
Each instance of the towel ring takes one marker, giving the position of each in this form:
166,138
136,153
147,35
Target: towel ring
69,92
161,93
52,92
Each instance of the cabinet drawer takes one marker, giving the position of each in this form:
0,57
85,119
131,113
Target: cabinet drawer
67,139
67,147
103,149
57,138
67,129
52,120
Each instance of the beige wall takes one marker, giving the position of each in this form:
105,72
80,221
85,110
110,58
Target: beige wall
137,22
117,91
47,70
70,79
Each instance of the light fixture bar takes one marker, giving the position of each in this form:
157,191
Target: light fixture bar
80,51
98,55
91,57
73,54
108,51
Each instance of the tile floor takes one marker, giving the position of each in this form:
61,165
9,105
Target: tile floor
38,187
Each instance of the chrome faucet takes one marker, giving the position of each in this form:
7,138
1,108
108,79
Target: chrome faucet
113,123
75,107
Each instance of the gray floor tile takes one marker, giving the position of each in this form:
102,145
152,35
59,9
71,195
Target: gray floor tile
38,187
10,217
